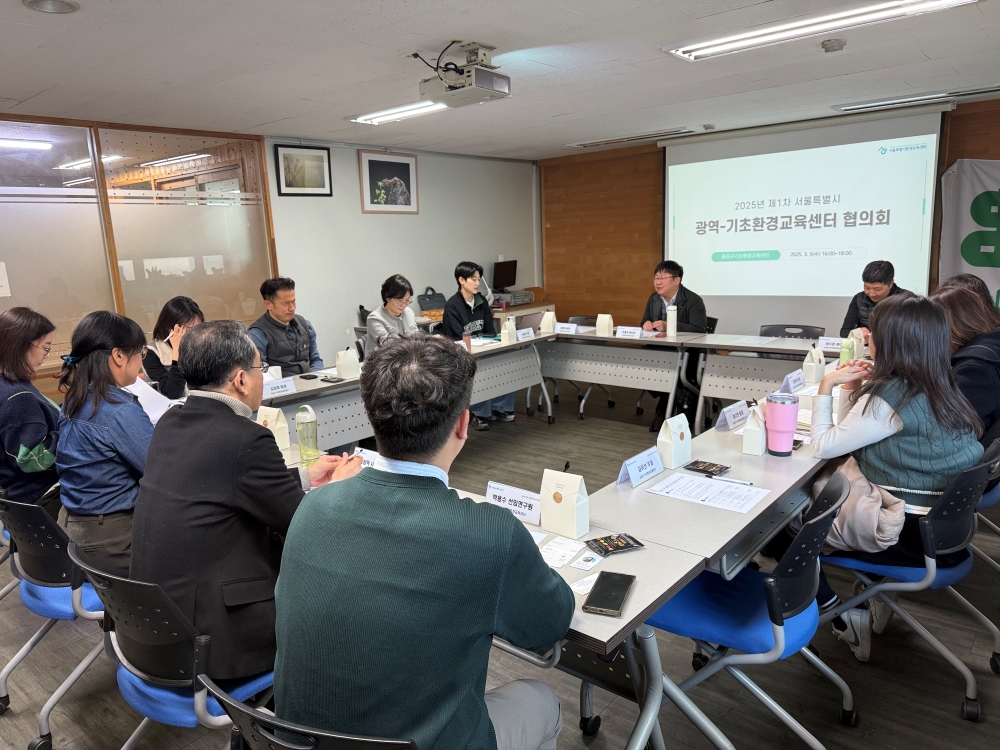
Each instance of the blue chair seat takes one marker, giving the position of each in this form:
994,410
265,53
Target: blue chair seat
57,602
945,576
732,613
175,706
989,499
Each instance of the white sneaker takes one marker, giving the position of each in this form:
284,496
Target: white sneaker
881,613
858,633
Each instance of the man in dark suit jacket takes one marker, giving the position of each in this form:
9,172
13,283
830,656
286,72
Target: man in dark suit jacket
214,497
691,318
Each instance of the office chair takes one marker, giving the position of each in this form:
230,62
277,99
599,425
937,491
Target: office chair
948,527
767,617
793,331
160,655
363,314
991,496
359,344
45,581
255,730
711,324
581,395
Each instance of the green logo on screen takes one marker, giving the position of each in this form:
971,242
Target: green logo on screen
980,248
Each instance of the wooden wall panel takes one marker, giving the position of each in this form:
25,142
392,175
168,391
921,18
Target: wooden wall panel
602,231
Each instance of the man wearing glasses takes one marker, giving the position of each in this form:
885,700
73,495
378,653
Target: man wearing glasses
691,318
215,497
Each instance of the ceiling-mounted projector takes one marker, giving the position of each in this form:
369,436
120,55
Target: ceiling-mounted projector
474,82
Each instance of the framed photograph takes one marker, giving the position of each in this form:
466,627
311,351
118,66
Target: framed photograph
388,183
303,170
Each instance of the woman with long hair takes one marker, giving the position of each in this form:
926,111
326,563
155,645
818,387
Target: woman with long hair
29,422
103,438
161,359
975,285
975,352
905,431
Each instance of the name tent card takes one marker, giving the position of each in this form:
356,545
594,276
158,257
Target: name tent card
733,416
523,504
548,323
279,387
829,343
628,332
641,467
794,381
569,328
525,334
367,457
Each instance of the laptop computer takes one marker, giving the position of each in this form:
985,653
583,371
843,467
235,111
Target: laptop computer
533,321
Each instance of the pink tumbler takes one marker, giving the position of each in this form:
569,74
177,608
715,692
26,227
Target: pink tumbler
781,418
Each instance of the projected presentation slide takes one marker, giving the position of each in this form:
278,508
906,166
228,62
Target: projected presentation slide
803,223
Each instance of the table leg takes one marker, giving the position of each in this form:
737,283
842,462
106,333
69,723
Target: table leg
673,386
545,392
647,726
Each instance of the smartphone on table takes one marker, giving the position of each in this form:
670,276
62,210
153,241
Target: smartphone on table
609,594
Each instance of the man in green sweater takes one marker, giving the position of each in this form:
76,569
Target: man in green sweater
392,586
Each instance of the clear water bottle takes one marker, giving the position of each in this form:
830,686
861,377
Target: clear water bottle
305,429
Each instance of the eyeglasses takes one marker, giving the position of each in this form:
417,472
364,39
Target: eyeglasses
46,349
662,277
263,367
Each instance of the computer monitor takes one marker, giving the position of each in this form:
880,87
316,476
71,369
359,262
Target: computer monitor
504,275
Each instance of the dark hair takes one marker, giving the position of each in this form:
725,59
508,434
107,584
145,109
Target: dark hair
85,368
968,314
878,272
211,351
414,388
178,311
20,327
912,340
395,287
466,269
669,266
972,283
270,288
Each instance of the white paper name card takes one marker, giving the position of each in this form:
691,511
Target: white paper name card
733,416
525,334
367,457
641,467
565,504
279,387
829,343
674,442
569,328
521,503
548,323
794,381
628,332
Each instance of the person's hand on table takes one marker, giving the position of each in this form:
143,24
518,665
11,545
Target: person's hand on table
328,469
647,326
659,325
848,377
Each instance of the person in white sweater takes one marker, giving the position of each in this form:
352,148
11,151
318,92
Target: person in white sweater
394,317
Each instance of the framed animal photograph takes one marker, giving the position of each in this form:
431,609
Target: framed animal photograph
388,183
303,170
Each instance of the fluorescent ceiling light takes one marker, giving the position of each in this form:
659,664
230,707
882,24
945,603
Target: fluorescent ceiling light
81,181
173,159
25,145
905,101
83,163
786,32
399,113
632,138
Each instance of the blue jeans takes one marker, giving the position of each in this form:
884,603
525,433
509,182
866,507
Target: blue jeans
484,408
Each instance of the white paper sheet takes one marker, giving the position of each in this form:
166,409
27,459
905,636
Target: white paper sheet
586,329
704,491
651,334
584,585
538,536
587,561
755,340
152,401
560,551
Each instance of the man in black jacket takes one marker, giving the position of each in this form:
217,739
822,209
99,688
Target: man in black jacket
214,496
469,312
691,318
879,284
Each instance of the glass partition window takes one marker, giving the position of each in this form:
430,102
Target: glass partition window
188,219
52,249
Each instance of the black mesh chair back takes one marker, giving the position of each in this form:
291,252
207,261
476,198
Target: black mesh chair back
953,517
260,731
363,314
583,320
39,545
711,325
793,331
797,572
152,637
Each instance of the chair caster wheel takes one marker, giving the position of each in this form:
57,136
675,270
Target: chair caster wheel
590,726
970,711
995,663
611,404
581,416
698,661
4,703
638,411
531,412
552,420
849,718
555,399
41,743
